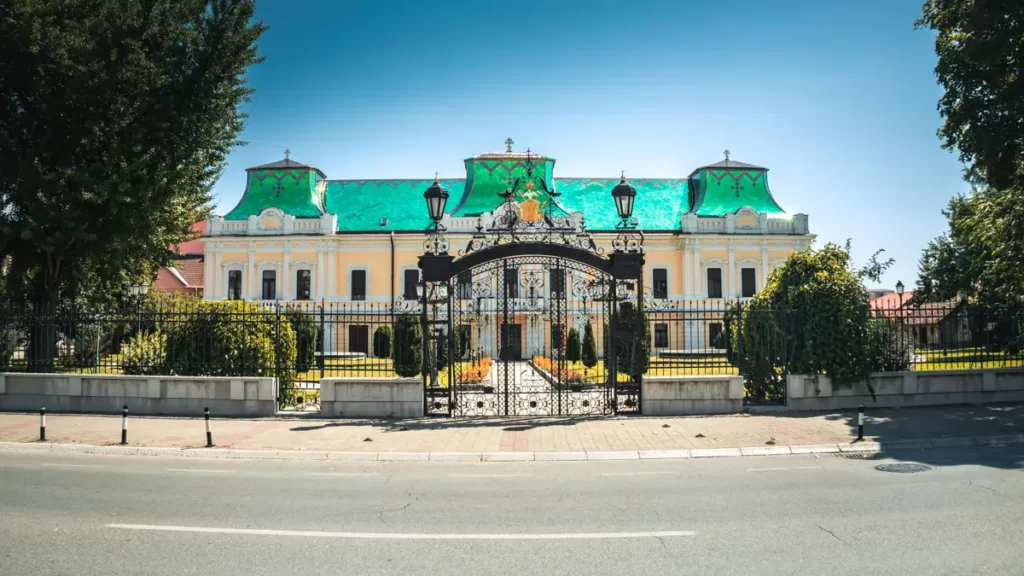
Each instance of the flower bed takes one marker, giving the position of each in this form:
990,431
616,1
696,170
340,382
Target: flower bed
475,373
564,375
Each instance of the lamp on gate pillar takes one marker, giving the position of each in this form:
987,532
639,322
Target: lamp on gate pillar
627,240
437,198
624,194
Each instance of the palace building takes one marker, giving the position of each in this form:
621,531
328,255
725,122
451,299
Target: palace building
297,235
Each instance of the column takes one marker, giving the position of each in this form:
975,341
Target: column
331,257
732,272
698,277
764,266
250,275
320,285
286,288
220,289
687,273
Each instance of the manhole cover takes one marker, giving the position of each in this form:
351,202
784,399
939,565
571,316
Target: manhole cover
902,467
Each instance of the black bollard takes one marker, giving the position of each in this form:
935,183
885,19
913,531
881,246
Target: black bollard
209,435
42,424
124,426
860,423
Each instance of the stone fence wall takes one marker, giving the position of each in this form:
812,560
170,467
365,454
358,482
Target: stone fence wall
148,395
899,389
371,397
680,395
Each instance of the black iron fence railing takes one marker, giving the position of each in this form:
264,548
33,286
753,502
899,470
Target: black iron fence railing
303,342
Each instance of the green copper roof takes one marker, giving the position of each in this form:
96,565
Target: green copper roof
489,175
295,190
718,191
660,203
362,205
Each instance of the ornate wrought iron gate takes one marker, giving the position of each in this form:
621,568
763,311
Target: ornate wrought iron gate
498,338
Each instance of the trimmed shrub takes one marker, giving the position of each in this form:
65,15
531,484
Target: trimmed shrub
8,343
408,360
633,352
573,346
382,342
306,331
589,352
145,355
232,339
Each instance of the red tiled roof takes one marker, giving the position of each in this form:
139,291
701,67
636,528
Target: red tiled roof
184,275
192,270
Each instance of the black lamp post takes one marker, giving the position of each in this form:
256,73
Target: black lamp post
436,197
138,290
624,194
899,292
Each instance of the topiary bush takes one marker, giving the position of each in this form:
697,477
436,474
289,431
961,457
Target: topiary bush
145,355
408,353
573,346
589,353
382,342
306,331
8,342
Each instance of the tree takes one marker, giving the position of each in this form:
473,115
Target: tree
408,359
382,342
979,46
573,347
811,318
589,353
115,121
633,349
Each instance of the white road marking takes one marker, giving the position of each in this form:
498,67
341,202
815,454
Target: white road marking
202,470
339,473
490,475
404,536
75,465
784,469
639,474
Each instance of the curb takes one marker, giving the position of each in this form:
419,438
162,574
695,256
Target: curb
221,453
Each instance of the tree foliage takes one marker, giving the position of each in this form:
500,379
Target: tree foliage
811,318
980,46
589,352
116,117
573,346
306,332
382,342
408,360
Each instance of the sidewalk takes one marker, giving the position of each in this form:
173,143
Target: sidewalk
532,435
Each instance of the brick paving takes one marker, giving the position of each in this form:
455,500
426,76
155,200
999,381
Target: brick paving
590,434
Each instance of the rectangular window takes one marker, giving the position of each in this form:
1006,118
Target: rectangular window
714,282
358,287
303,285
235,285
660,283
748,277
661,335
512,282
410,278
557,282
465,283
715,335
359,339
269,285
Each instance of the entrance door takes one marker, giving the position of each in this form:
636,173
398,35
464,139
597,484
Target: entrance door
512,342
359,339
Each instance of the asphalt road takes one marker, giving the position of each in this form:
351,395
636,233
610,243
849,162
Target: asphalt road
63,514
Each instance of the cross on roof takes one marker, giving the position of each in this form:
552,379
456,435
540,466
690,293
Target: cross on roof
287,153
736,188
727,154
508,144
278,188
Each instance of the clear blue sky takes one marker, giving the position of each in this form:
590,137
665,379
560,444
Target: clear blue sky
838,99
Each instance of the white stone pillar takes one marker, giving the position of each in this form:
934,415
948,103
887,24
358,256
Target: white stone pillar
331,257
732,273
698,277
320,285
764,266
218,290
687,273
250,275
286,287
